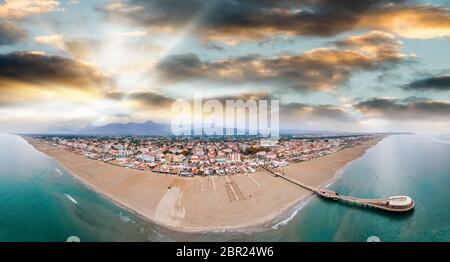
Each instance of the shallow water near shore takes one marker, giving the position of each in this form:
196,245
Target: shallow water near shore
40,201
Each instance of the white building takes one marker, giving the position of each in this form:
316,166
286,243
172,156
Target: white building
234,157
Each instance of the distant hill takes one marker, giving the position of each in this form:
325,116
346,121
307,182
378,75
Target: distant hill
148,128
151,128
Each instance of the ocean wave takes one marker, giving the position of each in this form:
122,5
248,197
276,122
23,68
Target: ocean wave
58,172
329,184
71,199
338,175
125,218
299,207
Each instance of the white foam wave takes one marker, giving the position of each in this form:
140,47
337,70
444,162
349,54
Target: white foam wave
71,199
58,172
299,207
125,218
329,184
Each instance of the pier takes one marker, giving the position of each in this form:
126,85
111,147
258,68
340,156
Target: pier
393,203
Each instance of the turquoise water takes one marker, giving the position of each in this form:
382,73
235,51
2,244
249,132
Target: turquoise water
39,201
399,165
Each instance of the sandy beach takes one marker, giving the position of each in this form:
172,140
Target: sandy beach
196,204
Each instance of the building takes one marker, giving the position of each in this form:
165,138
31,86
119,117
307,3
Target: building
147,158
269,143
178,158
194,159
234,157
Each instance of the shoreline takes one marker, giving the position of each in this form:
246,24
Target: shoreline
287,216
179,205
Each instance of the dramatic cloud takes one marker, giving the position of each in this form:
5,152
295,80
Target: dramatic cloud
407,109
151,99
42,69
31,77
315,70
232,21
129,60
377,43
12,11
292,115
154,99
11,34
316,112
419,21
438,83
19,9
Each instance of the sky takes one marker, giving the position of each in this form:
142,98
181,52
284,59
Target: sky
333,65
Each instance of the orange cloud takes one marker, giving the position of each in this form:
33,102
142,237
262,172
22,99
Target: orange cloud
315,70
420,22
19,9
30,76
232,22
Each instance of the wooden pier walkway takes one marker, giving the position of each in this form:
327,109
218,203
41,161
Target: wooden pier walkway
393,203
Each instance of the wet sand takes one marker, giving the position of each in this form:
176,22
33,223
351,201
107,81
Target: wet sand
197,204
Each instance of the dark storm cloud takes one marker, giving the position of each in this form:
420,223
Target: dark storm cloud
406,109
250,17
315,70
150,98
235,20
438,83
11,34
41,69
178,67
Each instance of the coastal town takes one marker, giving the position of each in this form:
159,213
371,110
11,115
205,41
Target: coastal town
203,157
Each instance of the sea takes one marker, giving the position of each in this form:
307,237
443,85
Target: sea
40,201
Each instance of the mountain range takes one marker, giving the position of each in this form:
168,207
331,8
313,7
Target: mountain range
151,128
148,128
